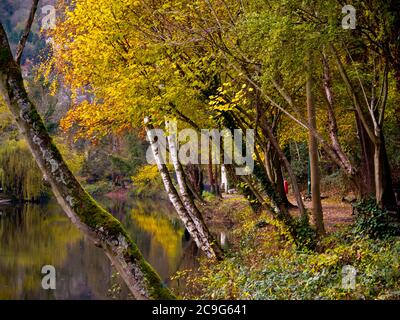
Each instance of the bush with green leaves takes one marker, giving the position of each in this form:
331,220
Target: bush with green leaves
374,222
297,275
263,264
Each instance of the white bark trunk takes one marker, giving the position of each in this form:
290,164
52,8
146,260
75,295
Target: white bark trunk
207,240
176,201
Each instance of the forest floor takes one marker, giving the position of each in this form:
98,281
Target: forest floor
220,215
263,263
336,212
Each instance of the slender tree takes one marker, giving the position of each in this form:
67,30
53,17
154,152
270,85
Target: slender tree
183,204
313,156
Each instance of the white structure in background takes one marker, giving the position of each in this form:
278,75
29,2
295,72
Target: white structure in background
224,180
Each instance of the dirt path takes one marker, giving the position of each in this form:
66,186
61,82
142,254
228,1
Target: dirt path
336,212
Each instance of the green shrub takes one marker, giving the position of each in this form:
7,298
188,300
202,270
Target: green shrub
373,221
291,274
20,177
147,183
99,187
208,196
264,265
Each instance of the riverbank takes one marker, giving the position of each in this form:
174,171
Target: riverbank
262,264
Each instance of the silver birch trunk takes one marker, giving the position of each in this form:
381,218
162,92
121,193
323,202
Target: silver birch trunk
175,199
213,249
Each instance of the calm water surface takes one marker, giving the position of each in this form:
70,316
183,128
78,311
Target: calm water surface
35,235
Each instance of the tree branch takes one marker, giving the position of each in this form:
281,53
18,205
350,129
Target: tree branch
27,30
353,95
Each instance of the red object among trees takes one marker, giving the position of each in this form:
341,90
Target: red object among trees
286,186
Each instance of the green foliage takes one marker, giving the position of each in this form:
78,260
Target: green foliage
99,187
290,274
335,182
208,196
73,158
147,182
305,234
19,175
373,221
299,160
113,158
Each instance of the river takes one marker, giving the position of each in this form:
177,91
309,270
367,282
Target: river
32,236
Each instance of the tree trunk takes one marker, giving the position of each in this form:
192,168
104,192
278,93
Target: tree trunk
212,249
313,154
332,123
267,164
217,183
210,173
176,201
99,225
267,130
195,177
366,180
280,181
384,188
193,191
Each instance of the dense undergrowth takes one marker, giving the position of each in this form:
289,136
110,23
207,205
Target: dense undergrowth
263,264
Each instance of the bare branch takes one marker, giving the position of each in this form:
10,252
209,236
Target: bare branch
384,99
27,30
353,95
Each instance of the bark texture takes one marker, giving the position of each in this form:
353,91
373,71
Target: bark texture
195,232
212,246
99,225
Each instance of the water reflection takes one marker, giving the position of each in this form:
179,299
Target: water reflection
32,236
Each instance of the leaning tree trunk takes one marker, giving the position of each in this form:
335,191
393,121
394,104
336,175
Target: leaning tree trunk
194,212
267,130
99,225
201,241
280,186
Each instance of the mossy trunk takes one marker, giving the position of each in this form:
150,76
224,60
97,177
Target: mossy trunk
99,225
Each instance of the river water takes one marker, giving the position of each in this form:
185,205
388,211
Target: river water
32,236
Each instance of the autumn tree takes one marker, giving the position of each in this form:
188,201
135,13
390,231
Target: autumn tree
99,225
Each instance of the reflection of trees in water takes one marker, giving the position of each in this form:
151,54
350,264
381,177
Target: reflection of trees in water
29,239
188,261
159,235
87,274
32,236
156,229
